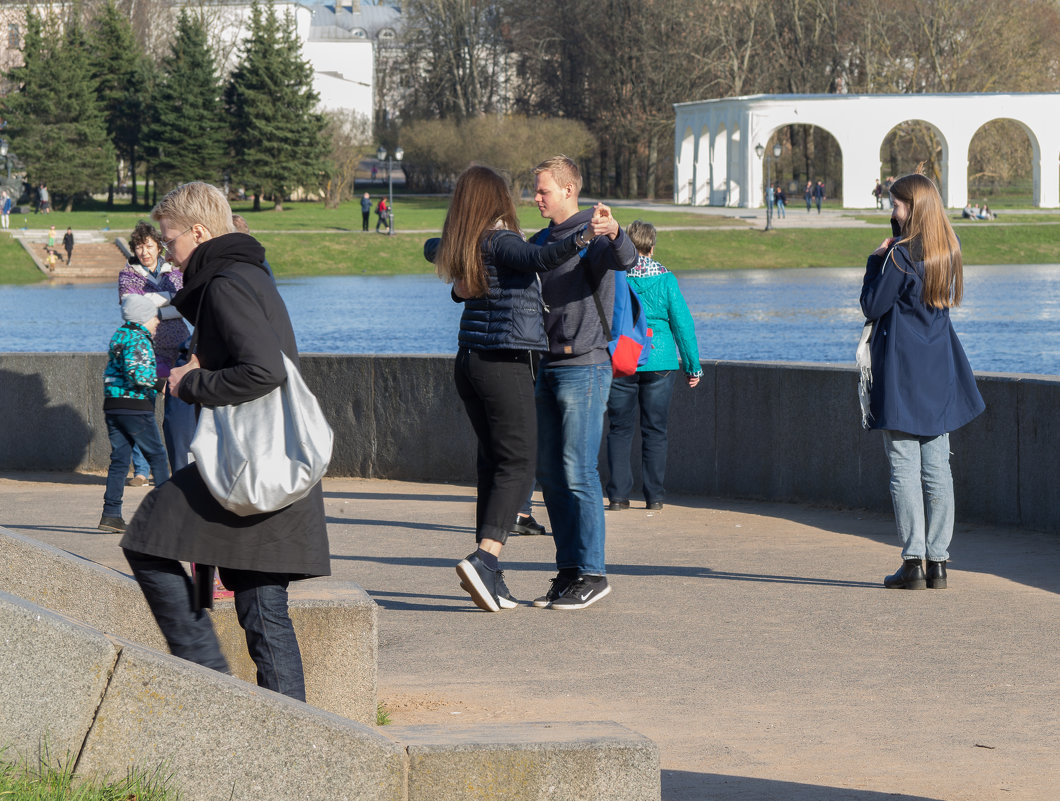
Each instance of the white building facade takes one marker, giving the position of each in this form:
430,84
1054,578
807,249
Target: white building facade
714,140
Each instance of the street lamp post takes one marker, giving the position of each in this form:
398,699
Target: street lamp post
7,161
398,154
768,164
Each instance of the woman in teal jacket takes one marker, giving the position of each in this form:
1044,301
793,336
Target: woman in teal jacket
652,385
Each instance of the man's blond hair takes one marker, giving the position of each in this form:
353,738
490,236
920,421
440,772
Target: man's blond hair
564,171
196,203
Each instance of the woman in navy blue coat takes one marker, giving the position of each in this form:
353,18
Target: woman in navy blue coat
922,385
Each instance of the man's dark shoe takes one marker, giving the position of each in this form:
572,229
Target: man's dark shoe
936,575
617,506
910,576
560,583
115,524
527,526
654,505
485,586
582,592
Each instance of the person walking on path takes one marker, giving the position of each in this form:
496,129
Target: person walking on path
130,384
5,209
68,244
243,333
382,210
494,274
922,386
807,195
574,383
782,200
651,387
366,210
818,195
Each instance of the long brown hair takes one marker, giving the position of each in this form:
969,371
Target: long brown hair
930,238
481,199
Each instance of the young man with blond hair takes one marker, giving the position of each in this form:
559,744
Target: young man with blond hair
573,385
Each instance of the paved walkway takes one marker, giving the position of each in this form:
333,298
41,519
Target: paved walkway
752,641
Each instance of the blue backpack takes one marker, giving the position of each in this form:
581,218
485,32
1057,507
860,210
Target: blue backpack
629,340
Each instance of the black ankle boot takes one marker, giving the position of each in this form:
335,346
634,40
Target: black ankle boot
910,576
936,575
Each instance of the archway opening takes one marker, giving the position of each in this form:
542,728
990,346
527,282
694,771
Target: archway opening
908,145
1000,165
809,154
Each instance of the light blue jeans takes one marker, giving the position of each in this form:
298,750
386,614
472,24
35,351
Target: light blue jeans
922,493
571,401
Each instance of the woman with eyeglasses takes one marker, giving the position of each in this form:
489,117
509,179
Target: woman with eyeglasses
150,274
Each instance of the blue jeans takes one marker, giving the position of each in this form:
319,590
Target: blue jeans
139,462
922,493
261,607
126,430
652,390
178,428
570,420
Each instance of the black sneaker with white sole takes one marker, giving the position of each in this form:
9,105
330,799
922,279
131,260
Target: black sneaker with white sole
582,592
485,586
560,583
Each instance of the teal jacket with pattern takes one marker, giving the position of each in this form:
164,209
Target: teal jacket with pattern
130,380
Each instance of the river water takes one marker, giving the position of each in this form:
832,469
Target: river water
1009,322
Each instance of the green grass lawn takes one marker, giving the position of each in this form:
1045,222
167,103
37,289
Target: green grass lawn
307,239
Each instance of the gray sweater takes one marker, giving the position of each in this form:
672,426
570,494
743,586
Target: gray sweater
576,335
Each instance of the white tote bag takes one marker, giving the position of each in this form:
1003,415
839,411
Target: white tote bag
265,454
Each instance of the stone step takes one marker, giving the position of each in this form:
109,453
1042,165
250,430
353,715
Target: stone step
89,261
105,690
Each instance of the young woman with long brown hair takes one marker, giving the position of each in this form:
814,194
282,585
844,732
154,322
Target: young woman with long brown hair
922,385
494,274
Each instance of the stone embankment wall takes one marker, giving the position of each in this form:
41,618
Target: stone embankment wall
764,431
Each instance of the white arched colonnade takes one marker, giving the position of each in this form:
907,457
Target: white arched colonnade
714,140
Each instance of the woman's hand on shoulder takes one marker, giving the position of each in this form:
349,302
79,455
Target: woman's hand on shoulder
885,245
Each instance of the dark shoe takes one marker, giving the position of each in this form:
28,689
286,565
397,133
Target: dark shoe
656,505
617,506
582,592
527,526
560,583
910,576
485,586
936,575
115,524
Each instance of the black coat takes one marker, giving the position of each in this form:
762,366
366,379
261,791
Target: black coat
242,328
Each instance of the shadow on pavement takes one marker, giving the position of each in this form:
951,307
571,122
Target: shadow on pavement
689,786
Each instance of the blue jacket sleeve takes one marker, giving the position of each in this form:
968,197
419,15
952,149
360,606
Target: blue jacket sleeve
885,276
514,253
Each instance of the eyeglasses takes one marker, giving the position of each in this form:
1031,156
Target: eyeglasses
166,246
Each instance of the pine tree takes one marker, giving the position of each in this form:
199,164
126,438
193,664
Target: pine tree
122,75
54,120
277,135
187,129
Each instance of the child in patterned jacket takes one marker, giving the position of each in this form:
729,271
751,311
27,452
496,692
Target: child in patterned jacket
130,386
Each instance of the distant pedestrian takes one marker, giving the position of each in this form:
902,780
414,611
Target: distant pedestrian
818,195
877,192
807,195
383,212
51,237
366,210
68,244
45,200
922,386
782,200
5,209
